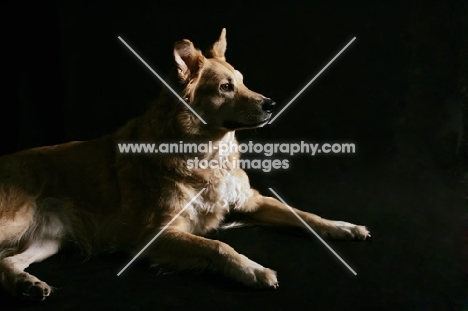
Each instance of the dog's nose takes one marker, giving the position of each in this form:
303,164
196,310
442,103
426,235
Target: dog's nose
268,105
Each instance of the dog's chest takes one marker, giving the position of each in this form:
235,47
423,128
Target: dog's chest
223,191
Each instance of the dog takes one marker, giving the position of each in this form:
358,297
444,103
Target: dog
91,195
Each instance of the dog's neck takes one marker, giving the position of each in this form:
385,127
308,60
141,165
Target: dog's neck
172,124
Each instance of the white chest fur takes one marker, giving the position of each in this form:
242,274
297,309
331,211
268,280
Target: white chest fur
225,189
223,192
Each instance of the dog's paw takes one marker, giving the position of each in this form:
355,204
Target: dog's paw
341,230
33,290
266,278
252,274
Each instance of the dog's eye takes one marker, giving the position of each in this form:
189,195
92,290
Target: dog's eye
226,87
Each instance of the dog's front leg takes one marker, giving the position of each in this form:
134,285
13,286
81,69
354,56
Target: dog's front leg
184,250
269,211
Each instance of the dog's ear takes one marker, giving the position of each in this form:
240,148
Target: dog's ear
188,59
219,47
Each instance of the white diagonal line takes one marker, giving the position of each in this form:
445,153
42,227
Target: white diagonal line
161,79
310,82
159,233
312,230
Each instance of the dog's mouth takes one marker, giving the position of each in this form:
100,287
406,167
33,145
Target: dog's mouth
261,124
236,125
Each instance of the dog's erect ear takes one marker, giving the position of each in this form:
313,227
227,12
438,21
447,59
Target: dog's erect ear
219,47
188,59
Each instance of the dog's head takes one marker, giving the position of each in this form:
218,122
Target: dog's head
215,90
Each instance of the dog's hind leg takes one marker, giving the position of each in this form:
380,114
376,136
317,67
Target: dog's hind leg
20,283
31,233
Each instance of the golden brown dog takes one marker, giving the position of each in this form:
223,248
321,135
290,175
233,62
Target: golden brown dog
89,193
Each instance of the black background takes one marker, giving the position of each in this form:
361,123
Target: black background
399,93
